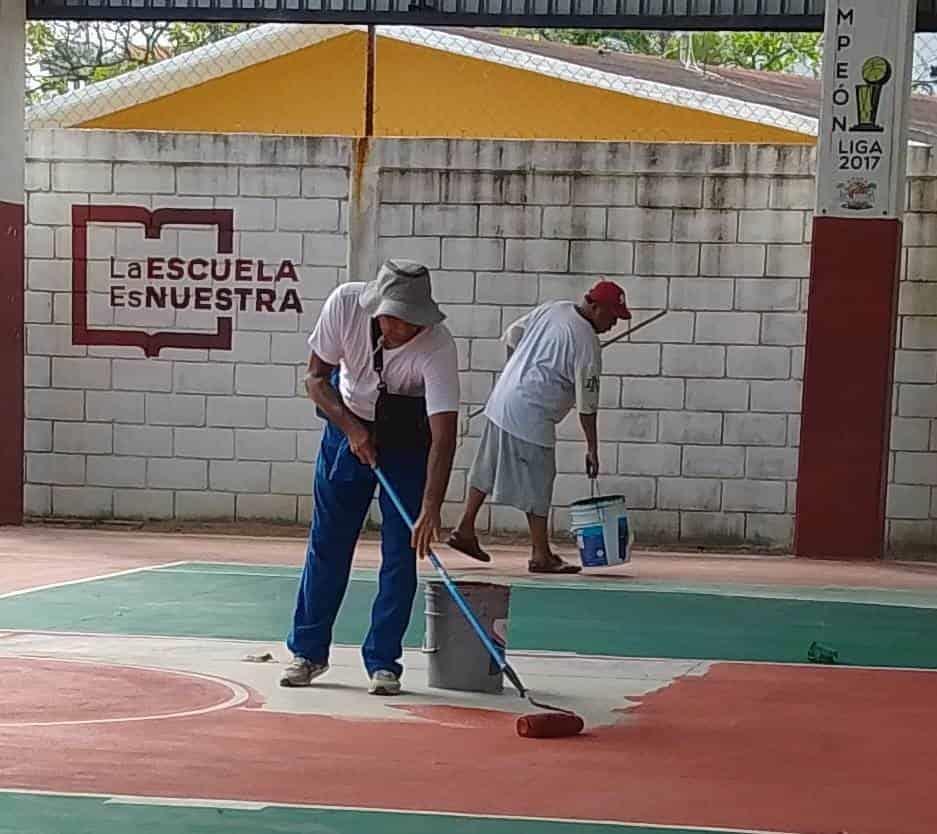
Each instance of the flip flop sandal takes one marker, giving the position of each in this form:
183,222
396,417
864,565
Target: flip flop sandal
553,567
468,547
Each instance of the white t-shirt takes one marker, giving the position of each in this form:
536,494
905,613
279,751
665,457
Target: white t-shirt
426,366
556,364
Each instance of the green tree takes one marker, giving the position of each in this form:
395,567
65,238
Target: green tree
66,55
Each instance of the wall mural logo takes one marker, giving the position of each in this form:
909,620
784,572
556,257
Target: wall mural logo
220,284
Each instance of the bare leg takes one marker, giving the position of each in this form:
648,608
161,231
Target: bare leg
466,525
540,554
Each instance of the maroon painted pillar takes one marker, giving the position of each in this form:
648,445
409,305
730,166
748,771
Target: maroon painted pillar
853,301
12,69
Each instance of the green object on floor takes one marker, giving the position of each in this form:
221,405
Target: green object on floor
820,653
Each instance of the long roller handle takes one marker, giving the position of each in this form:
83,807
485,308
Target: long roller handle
455,593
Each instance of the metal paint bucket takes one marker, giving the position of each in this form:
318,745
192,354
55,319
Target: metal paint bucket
457,659
602,531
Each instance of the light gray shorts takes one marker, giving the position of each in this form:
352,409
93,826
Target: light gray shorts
514,472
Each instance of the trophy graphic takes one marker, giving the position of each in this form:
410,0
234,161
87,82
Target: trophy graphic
876,72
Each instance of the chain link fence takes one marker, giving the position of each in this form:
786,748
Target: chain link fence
473,83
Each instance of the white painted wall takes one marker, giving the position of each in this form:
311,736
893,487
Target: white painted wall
701,413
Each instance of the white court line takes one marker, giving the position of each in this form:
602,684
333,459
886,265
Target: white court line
81,581
239,694
127,799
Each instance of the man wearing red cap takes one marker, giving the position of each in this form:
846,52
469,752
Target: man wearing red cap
555,362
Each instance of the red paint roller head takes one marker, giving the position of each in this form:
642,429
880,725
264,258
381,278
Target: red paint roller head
549,725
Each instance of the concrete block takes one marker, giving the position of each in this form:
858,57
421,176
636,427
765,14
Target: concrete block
756,429
918,229
251,214
670,192
447,221
38,176
37,436
269,507
917,332
291,478
476,386
754,496
239,476
689,493
574,222
712,528
514,288
203,378
667,259
476,321
142,375
487,355
49,209
789,193
767,294
202,505
455,286
293,413
395,221
177,473
693,361
705,226
323,249
601,257
38,371
265,380
600,190
145,178
716,395
909,434
81,373
565,288
247,412
777,396
51,340
917,299
37,500
645,459
908,502
55,468
46,404
769,464
917,401
772,530
758,362
289,348
922,263
270,181
143,503
409,186
793,430
571,458
788,261
735,192
654,526
771,226
83,437
639,393
632,359
609,392
713,461
324,182
640,224
731,260
106,470
245,347
304,215
82,502
88,177
40,242
48,276
511,221
701,293
145,441
203,443
727,328
916,468
674,327
473,253
175,410
114,406
273,246
783,329
537,255
628,426
211,180
265,444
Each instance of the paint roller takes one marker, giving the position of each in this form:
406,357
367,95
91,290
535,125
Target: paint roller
555,722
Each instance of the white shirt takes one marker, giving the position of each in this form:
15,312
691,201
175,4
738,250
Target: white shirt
426,366
556,364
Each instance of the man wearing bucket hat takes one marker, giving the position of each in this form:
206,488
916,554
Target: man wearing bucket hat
383,372
555,361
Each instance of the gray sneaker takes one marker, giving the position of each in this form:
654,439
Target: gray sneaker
302,672
384,683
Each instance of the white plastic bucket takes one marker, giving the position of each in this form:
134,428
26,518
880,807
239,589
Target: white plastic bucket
602,531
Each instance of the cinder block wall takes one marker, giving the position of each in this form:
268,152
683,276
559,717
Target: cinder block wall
700,417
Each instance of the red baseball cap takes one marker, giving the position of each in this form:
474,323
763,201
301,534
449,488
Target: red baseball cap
609,295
